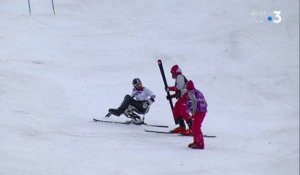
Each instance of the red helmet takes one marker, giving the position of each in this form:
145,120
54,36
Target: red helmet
175,70
190,85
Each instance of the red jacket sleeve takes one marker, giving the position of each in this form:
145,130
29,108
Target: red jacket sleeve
172,88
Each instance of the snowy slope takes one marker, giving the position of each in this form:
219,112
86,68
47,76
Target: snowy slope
59,71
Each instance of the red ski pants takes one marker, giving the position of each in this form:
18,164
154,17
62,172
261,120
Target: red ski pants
180,109
196,127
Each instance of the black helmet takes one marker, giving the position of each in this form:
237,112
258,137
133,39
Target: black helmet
136,81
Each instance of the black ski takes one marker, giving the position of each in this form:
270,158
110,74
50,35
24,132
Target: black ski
108,121
159,132
129,122
160,126
168,132
162,72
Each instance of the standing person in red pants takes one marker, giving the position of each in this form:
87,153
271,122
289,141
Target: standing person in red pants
198,109
179,110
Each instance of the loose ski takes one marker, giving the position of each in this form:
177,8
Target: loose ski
160,126
168,132
108,121
129,122
162,72
159,132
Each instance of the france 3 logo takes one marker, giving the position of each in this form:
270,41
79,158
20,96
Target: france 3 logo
263,16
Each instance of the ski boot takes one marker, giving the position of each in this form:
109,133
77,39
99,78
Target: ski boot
115,112
196,146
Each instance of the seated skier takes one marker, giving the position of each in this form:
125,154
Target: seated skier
139,101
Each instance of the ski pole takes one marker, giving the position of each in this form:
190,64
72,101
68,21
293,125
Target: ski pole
29,8
53,7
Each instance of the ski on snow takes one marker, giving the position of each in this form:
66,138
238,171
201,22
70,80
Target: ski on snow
168,132
108,121
128,123
146,130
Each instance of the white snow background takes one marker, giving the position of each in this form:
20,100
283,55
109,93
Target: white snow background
57,72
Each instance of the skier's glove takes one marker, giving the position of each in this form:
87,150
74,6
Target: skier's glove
150,101
170,97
